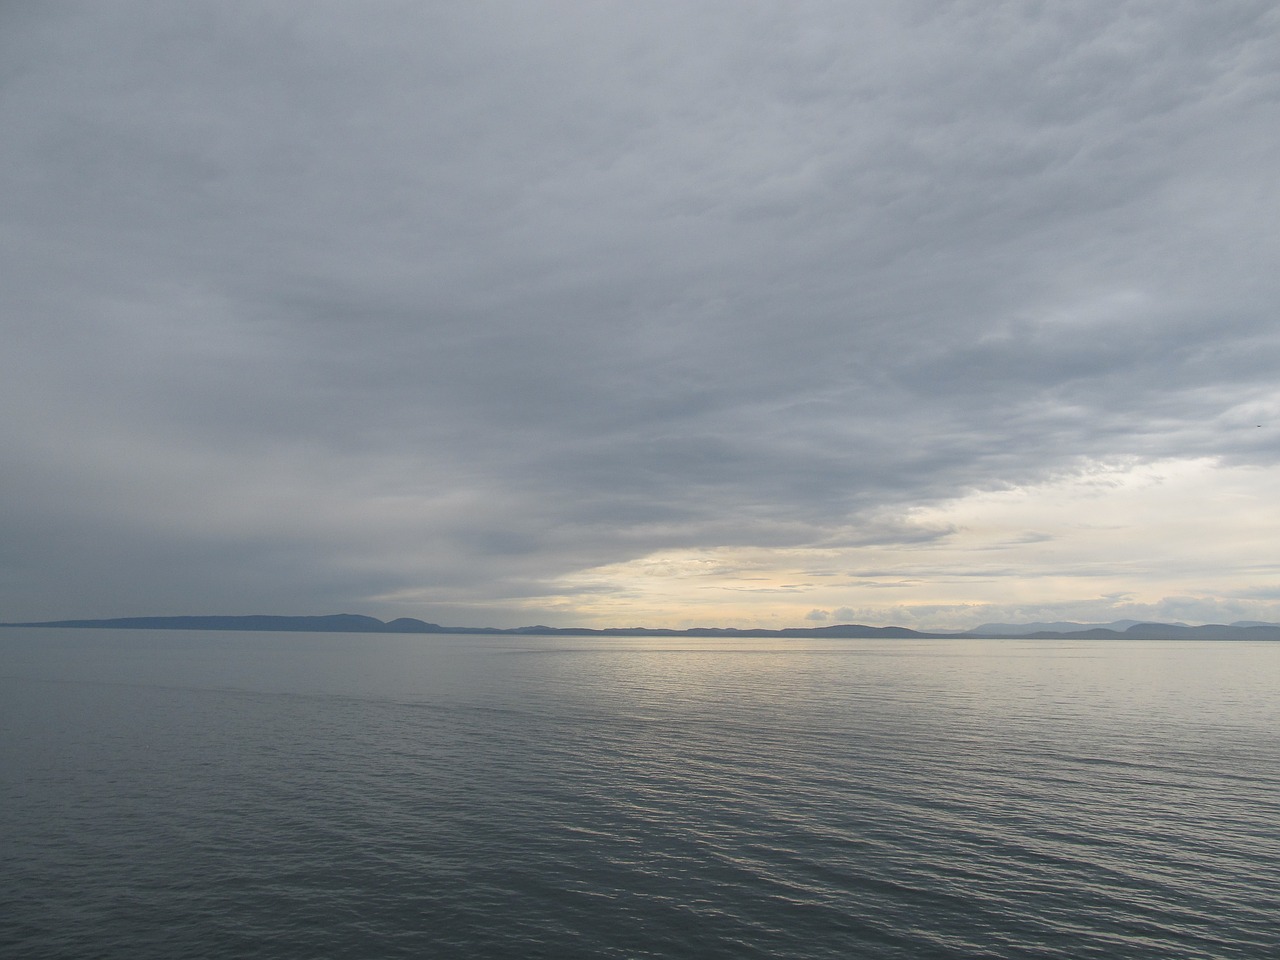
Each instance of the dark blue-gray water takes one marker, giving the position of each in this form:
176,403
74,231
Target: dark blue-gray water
170,794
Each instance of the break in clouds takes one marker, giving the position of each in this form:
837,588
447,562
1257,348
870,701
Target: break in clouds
477,312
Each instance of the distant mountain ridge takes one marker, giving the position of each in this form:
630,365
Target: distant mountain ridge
356,623
1056,626
1132,630
333,623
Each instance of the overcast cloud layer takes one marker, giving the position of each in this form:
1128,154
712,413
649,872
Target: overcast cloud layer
505,312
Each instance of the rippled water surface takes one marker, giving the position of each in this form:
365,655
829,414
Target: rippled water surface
175,794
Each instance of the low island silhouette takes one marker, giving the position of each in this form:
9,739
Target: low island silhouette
357,623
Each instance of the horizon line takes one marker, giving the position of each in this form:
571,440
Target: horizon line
361,623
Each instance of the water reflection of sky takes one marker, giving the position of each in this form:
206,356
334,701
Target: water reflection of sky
1099,682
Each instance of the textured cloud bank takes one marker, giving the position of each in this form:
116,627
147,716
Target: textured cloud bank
486,313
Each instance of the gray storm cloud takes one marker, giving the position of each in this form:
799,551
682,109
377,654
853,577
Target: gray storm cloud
306,304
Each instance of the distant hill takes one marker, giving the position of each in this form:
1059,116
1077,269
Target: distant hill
1131,630
1208,631
335,623
355,623
1057,626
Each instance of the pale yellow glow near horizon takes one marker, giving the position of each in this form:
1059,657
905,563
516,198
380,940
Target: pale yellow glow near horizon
1186,540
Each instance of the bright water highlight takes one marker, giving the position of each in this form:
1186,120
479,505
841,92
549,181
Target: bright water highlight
169,794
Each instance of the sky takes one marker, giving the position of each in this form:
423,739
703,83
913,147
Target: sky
607,314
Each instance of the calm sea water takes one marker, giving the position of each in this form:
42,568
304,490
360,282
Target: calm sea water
180,794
